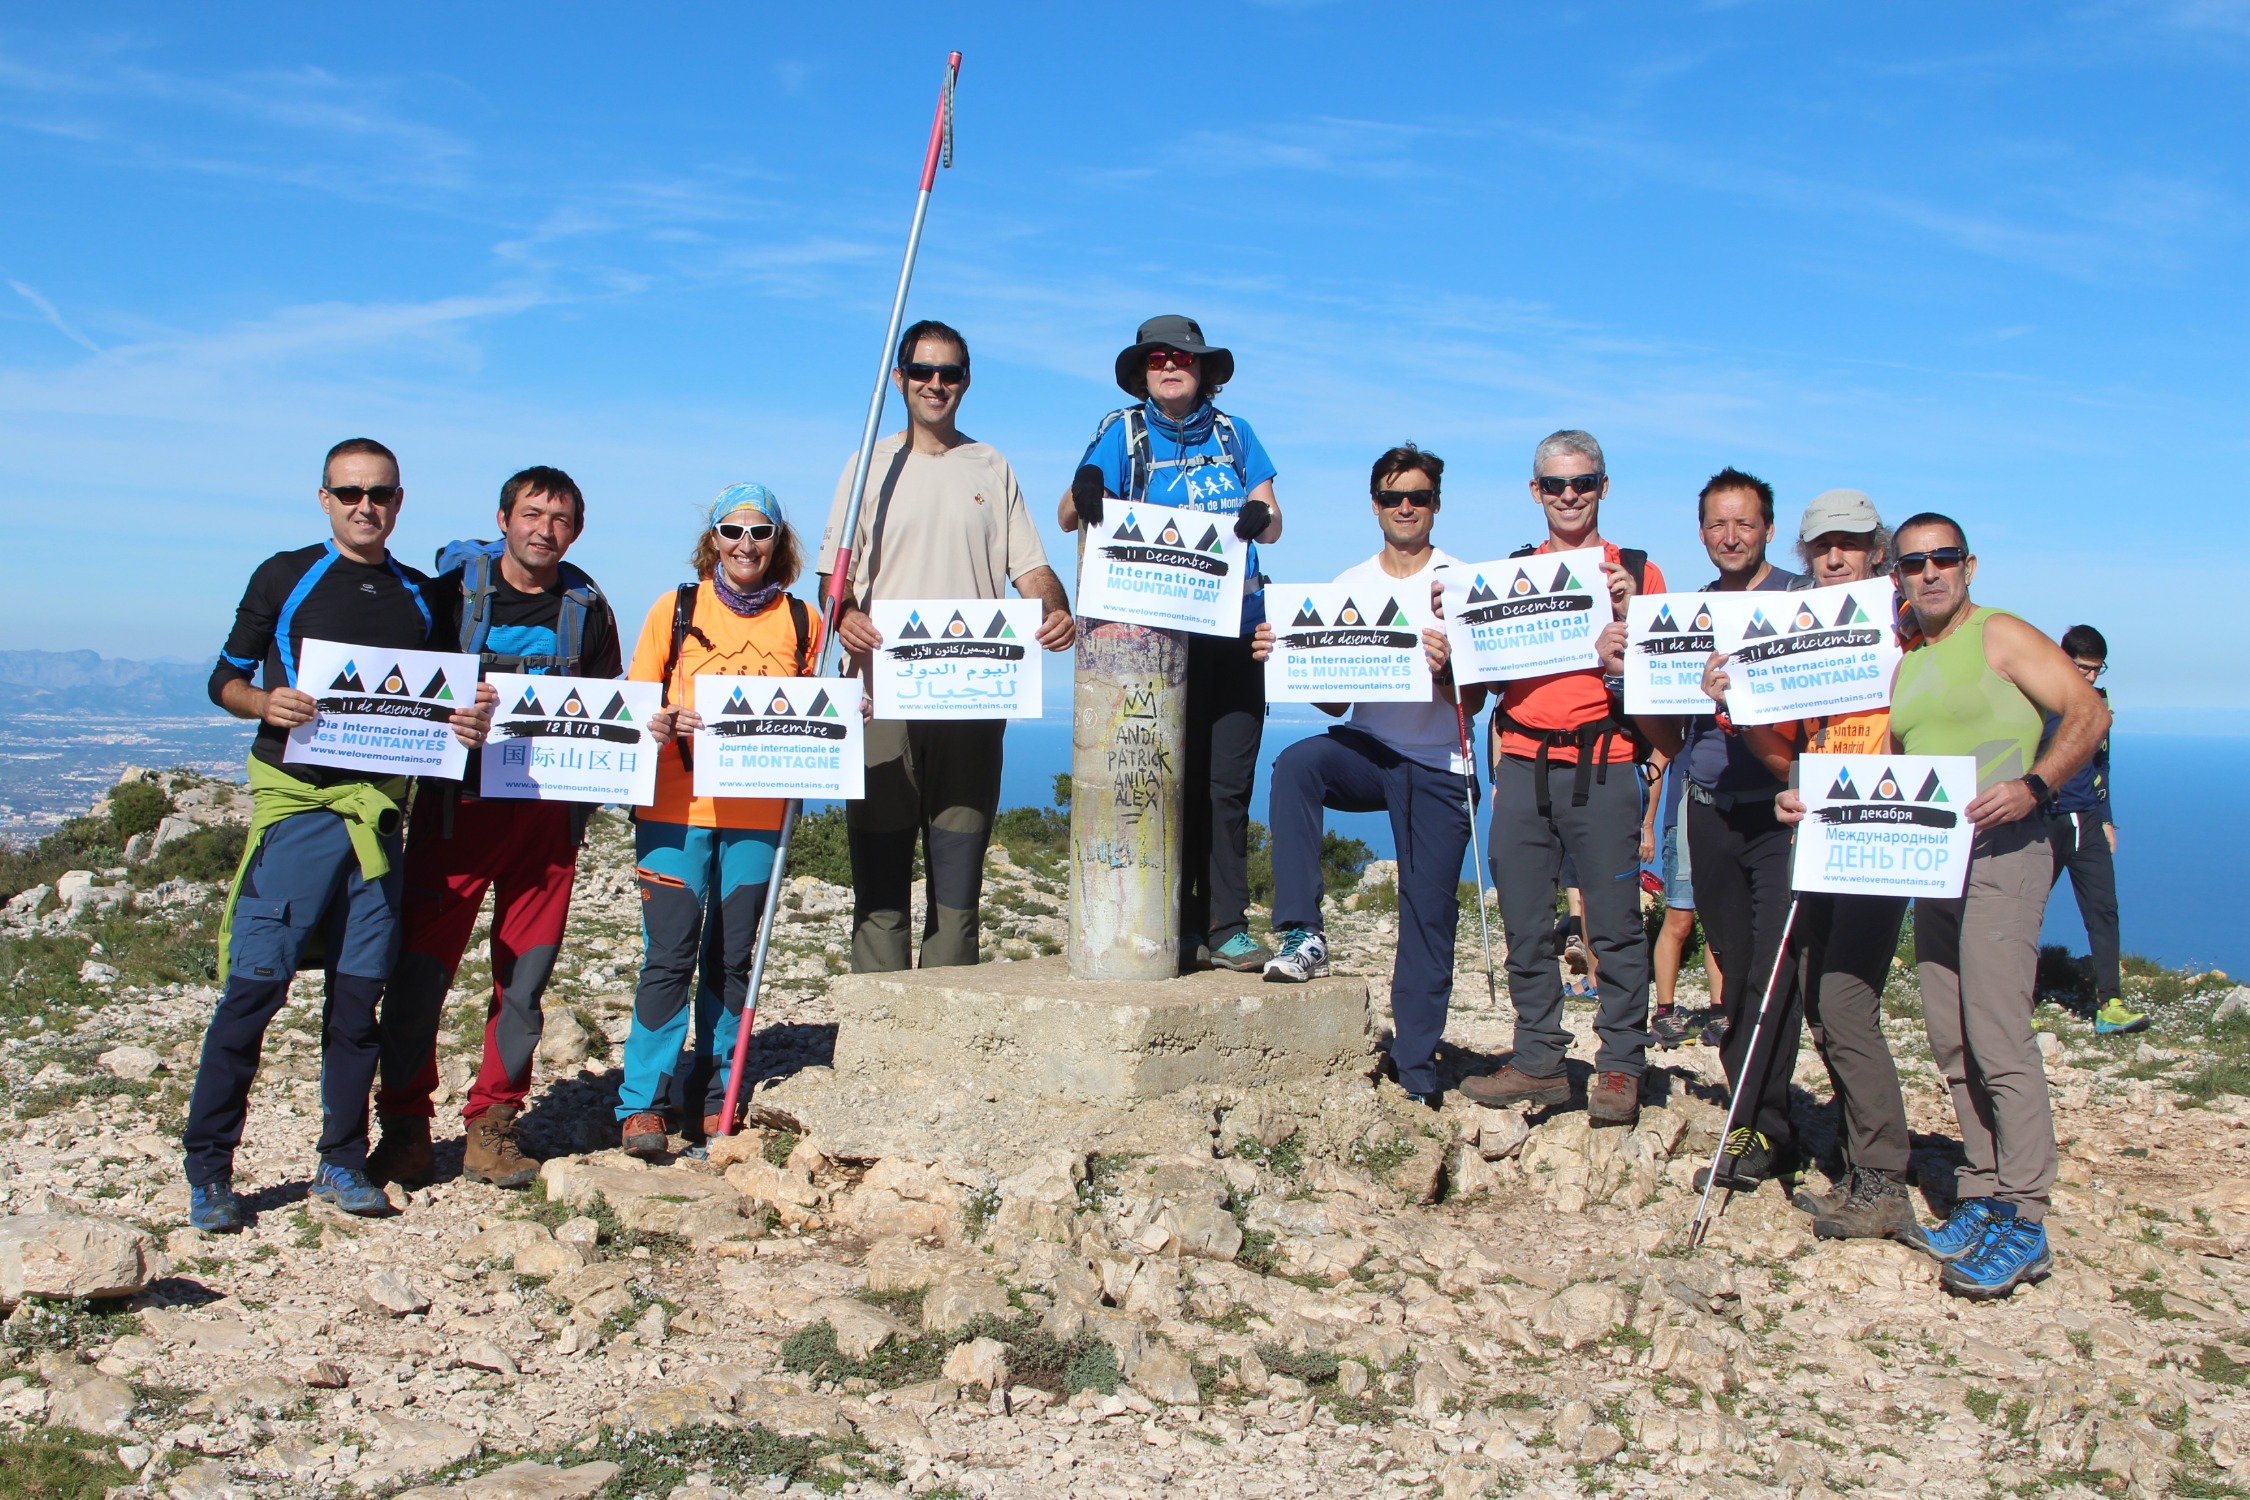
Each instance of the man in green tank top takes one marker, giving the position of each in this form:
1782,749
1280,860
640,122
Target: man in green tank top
1981,682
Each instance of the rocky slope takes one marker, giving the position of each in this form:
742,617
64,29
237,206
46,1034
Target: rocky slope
1299,1291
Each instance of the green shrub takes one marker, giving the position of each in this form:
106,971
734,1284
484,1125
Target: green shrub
1341,860
820,848
58,1466
80,844
207,854
2067,981
1037,838
136,807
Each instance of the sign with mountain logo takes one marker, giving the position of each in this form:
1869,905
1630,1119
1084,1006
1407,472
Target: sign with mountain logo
958,659
779,737
1173,569
1884,825
571,739
1807,654
1355,641
1667,645
382,709
1526,616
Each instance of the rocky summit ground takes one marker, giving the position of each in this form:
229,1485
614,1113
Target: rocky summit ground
1315,1290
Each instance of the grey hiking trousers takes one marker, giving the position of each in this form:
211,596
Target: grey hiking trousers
935,783
1846,948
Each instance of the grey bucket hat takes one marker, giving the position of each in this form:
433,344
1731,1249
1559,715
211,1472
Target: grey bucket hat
1171,331
1838,510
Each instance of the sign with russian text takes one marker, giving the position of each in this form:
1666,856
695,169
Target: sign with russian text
1347,643
383,710
1174,569
1884,825
571,739
957,658
1526,616
1667,645
778,737
1799,655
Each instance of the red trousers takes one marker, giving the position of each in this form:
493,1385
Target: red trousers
524,852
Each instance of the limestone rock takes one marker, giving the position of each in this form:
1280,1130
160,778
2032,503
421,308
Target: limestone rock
483,1354
1165,1376
1579,1315
780,1407
552,1258
503,1241
583,1232
901,1197
860,1329
134,1063
204,1481
100,1403
390,1295
257,1396
1500,1133
2236,1003
979,1362
325,1375
524,1481
74,1255
958,1301
655,1200
564,1042
789,1193
667,1408
406,1446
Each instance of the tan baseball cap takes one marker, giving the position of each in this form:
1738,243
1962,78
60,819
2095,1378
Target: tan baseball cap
1838,510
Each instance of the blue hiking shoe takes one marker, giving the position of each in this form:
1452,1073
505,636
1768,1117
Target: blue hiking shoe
349,1189
212,1207
2012,1253
1242,953
1961,1233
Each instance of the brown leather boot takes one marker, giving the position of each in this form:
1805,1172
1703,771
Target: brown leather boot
403,1154
1614,1099
1511,1086
490,1154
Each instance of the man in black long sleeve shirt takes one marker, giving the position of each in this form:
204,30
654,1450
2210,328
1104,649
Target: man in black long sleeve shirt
2084,838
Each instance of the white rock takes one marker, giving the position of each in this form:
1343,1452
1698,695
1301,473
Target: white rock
71,886
172,830
2236,1002
980,1362
563,1041
860,1329
2050,1047
95,972
135,1063
102,1403
390,1295
1500,1133
957,1301
74,1255
580,1231
483,1354
1165,1376
1580,1314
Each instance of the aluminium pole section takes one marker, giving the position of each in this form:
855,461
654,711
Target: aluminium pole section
939,153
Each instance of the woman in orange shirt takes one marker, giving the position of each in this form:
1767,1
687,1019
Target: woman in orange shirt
704,862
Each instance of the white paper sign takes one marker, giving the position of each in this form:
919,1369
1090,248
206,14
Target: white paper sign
571,739
1526,616
1885,825
1175,569
1348,643
779,737
383,709
1799,655
1667,645
958,658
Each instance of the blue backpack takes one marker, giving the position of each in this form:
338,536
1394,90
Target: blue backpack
1140,468
476,560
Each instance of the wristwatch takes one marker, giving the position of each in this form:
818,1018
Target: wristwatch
2040,796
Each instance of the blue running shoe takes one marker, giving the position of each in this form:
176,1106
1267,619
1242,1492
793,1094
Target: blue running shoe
212,1207
1242,953
349,1189
1961,1233
2012,1253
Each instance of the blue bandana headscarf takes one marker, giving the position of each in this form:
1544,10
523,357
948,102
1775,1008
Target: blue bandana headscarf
744,496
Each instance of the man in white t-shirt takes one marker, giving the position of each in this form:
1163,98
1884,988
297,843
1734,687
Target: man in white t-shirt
1403,758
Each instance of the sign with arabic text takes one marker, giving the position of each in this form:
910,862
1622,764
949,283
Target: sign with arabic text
957,658
778,737
383,709
571,739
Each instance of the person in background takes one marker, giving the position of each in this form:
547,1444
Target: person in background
704,862
2084,838
942,518
1676,868
1174,447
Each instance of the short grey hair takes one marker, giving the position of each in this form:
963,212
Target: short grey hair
1878,550
1569,440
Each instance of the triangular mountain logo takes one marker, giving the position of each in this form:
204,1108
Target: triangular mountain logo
956,628
1759,625
1932,791
438,689
1565,580
781,706
617,709
1702,620
1663,624
738,704
1887,789
821,708
574,707
1307,615
1210,542
1000,629
1851,613
1349,614
393,683
1391,614
1169,536
914,629
1129,532
1843,789
528,703
1804,619
347,681
1480,592
1522,585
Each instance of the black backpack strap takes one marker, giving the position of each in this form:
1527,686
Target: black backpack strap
1526,550
683,624
1635,562
801,617
476,603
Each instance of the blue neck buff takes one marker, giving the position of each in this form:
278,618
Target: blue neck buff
1195,429
754,602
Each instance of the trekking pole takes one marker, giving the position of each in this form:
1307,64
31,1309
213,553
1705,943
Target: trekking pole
939,153
1734,1095
1476,855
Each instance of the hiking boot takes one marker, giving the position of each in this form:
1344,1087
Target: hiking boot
349,1189
1669,1027
489,1152
1819,1205
645,1134
1303,956
403,1155
715,1125
213,1209
1511,1085
1877,1208
2012,1253
1614,1099
1242,953
2113,1019
1746,1162
1960,1233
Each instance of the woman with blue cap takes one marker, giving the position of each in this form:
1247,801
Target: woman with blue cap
704,862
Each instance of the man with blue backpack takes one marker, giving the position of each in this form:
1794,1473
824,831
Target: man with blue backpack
518,607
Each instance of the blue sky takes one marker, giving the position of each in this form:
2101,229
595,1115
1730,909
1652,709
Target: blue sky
1983,259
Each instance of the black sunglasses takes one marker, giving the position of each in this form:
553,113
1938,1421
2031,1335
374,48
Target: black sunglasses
1912,563
1555,484
735,531
1393,499
946,374
352,494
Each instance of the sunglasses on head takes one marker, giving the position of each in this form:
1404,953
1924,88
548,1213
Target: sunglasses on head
1170,359
1393,499
1911,563
920,373
1556,484
735,531
352,494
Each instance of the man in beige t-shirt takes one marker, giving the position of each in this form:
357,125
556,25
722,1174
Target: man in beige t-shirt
942,518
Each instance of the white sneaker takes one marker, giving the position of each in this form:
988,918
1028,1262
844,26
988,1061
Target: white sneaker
1303,956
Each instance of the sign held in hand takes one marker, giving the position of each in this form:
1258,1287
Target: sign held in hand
1348,643
1799,655
1884,825
1526,616
779,737
383,709
958,658
1667,645
571,739
1173,569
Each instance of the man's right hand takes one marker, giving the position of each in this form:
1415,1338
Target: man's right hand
288,708
1086,494
857,631
1261,641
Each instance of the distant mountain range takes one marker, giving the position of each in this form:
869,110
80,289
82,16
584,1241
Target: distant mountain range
49,681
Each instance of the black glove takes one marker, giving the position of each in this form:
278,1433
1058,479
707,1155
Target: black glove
1254,517
1086,494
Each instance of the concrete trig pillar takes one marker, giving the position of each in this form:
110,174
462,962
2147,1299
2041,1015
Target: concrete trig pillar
1128,740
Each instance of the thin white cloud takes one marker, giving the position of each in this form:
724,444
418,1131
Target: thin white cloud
54,318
